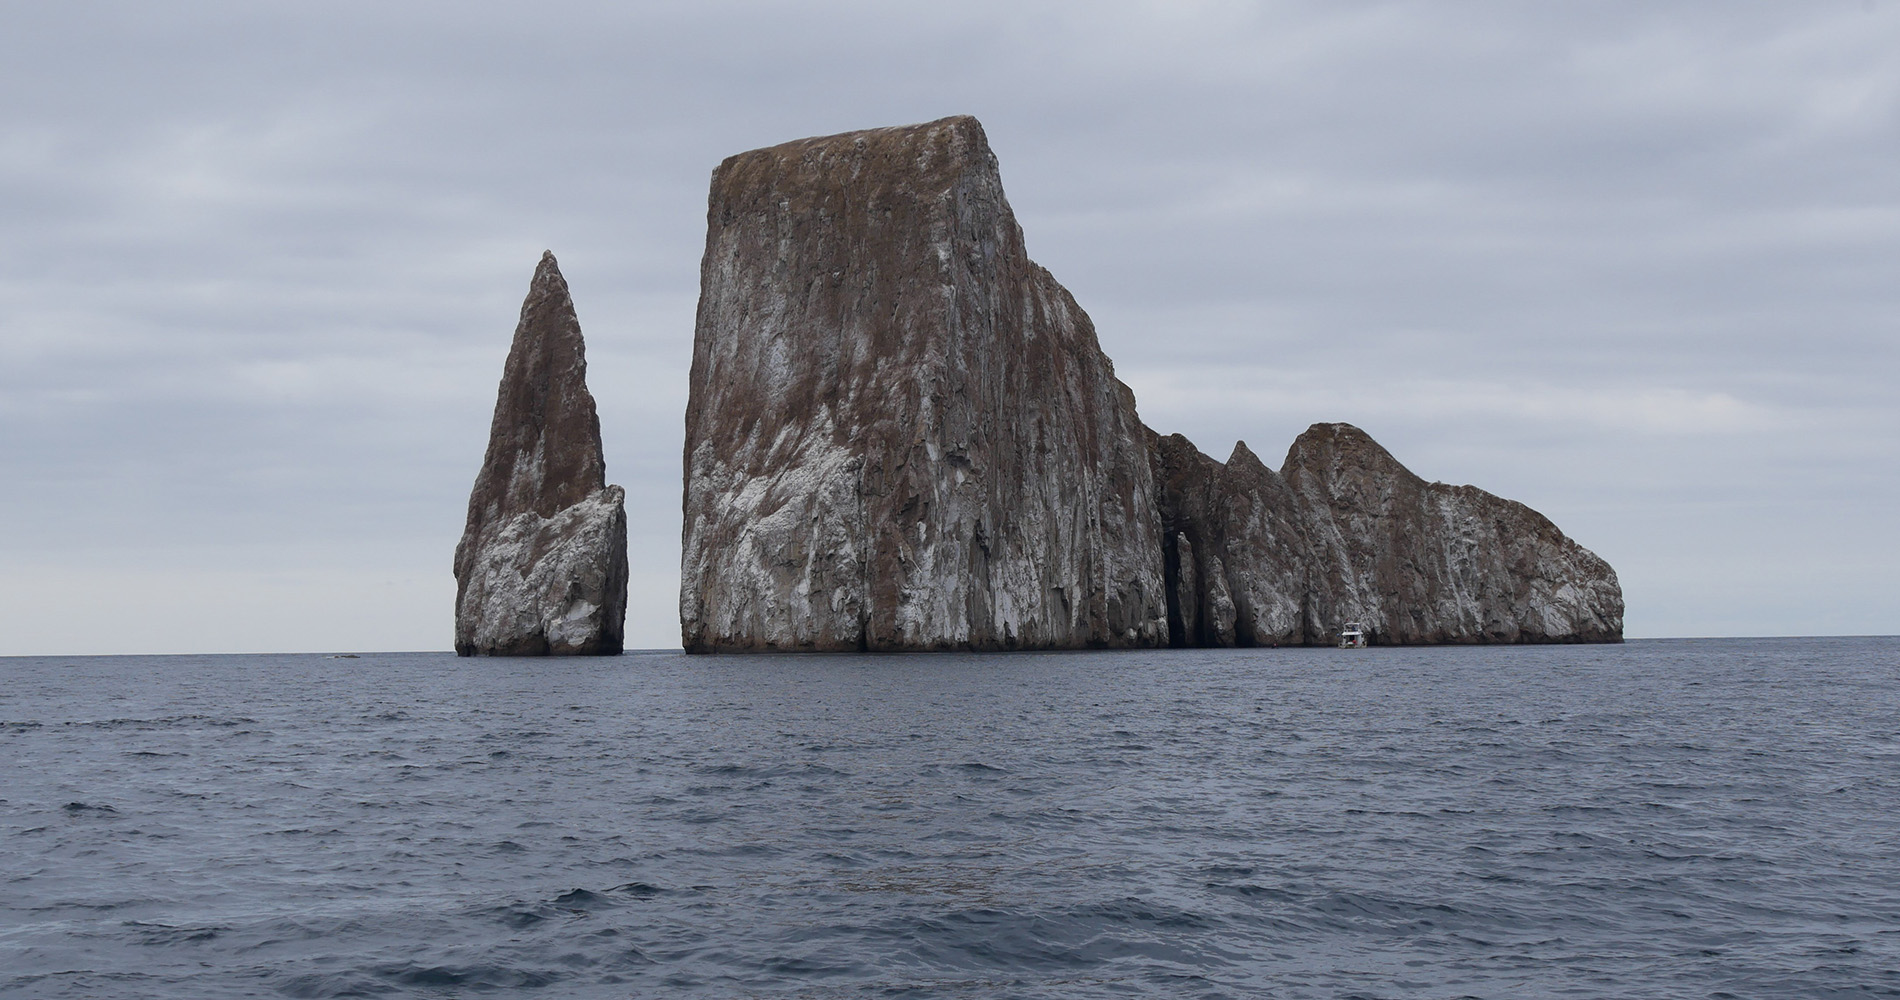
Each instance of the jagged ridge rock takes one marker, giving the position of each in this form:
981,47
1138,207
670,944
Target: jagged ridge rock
542,564
1235,546
901,432
1345,533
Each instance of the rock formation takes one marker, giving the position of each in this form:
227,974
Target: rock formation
1234,540
901,432
542,565
1346,533
902,435
1420,562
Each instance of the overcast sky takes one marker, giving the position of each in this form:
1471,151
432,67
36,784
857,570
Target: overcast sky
1633,264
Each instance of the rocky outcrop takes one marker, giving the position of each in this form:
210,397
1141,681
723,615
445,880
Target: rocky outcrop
542,565
1420,562
1345,533
901,433
1235,548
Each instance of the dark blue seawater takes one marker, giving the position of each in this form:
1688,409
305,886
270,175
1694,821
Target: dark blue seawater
1714,818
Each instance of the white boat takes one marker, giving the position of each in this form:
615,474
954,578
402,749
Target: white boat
1352,636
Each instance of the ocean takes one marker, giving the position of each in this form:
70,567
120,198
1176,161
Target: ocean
1666,818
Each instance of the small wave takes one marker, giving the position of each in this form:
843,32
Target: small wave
581,900
727,770
1248,890
464,976
84,809
155,934
169,722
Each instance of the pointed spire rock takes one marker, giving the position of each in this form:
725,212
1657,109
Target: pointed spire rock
542,565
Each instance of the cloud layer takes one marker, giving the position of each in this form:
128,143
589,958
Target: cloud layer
1630,263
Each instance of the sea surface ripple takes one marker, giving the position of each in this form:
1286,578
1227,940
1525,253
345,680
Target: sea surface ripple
1685,818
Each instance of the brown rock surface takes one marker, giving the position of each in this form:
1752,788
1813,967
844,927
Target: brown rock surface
1237,550
901,432
1420,562
542,564
1346,533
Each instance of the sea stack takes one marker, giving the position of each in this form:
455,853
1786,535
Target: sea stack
542,565
901,433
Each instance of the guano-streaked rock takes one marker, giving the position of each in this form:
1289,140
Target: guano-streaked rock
901,433
542,564
1238,555
1420,562
1345,533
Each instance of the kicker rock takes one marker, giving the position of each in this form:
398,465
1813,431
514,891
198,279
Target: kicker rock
542,565
901,433
1419,562
1234,545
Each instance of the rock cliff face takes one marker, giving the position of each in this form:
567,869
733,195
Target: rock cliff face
542,565
1346,533
901,433
1420,562
1235,548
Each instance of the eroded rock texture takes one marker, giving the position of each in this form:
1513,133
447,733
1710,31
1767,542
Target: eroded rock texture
542,565
1345,533
1421,562
1235,548
901,432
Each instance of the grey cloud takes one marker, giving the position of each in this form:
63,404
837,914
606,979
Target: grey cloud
1630,263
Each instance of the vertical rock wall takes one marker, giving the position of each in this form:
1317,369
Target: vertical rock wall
542,564
901,433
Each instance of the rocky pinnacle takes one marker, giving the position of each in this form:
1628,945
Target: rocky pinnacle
542,564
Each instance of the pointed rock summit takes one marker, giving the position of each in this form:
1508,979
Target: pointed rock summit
901,433
542,565
1234,541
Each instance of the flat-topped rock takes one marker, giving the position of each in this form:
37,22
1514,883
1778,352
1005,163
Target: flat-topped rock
542,564
902,435
901,432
